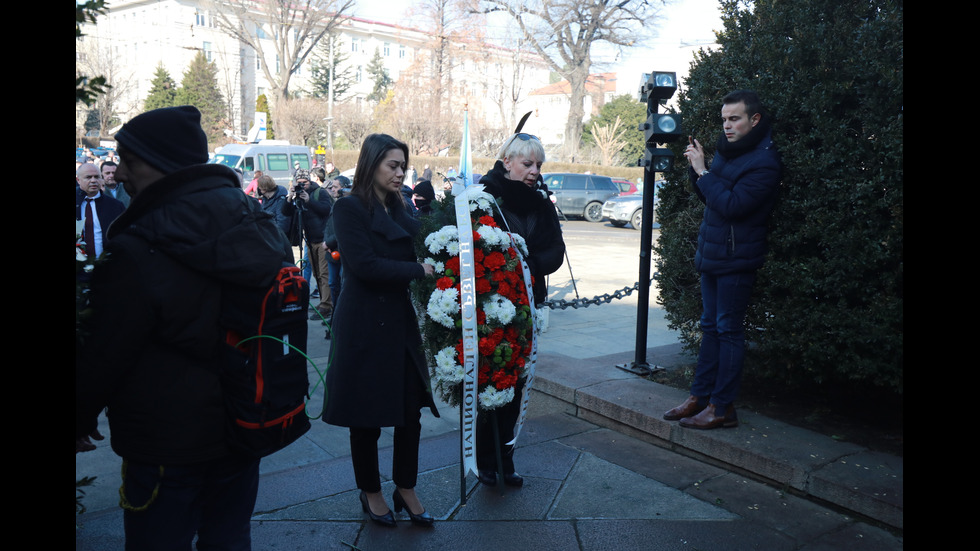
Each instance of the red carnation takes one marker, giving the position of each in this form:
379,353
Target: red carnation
494,260
444,283
452,265
482,286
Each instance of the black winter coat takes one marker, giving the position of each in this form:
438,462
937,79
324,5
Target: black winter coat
531,214
315,214
151,352
374,323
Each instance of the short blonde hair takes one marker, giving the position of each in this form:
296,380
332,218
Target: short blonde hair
522,145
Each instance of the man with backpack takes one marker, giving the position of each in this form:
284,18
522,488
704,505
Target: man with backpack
154,347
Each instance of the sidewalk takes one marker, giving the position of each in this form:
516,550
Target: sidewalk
602,470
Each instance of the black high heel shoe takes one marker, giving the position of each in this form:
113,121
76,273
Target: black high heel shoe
424,519
386,519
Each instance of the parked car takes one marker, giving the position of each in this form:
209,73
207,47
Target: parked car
580,194
626,187
628,209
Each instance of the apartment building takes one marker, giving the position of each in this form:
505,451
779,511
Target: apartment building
134,37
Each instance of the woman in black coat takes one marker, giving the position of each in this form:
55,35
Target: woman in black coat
515,181
378,377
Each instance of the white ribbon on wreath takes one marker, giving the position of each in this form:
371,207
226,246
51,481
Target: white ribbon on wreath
468,308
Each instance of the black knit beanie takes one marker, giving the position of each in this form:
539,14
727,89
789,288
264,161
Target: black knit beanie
168,139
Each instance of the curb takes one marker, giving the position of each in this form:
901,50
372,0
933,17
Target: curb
860,481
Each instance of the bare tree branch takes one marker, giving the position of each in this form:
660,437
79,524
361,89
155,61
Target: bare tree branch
291,29
563,33
609,138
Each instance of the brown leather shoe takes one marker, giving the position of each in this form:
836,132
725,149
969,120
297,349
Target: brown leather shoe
689,408
708,420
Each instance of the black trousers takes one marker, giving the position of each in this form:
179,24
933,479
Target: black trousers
486,452
405,457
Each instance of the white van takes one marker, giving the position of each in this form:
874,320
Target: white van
273,157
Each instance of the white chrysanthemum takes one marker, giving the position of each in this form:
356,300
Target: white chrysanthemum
443,307
495,237
444,239
480,201
492,398
521,243
499,309
448,371
541,319
438,266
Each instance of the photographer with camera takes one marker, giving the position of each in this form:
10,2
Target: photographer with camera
309,207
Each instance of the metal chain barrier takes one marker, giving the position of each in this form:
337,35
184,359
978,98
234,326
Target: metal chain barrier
598,299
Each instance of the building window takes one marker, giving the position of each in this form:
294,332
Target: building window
259,32
207,52
387,49
401,51
359,74
199,19
354,45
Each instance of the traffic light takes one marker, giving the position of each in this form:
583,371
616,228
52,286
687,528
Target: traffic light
658,160
659,128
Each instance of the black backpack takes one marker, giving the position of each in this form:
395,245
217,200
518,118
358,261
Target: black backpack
264,379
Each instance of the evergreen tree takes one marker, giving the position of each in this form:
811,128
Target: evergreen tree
262,106
632,113
163,90
379,74
320,68
200,89
828,304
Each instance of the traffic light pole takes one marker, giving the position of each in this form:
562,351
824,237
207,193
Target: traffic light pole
640,365
657,129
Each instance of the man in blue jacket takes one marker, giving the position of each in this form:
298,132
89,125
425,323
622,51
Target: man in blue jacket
738,193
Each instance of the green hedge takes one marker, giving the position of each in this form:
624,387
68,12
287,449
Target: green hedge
828,306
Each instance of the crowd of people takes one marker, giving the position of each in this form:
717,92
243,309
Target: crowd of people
186,228
358,238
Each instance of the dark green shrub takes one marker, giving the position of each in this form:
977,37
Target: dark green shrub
828,305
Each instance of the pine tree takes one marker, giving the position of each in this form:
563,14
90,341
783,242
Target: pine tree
320,68
262,106
200,89
376,68
163,90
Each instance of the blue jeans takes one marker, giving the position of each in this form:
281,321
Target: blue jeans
724,301
214,500
334,272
